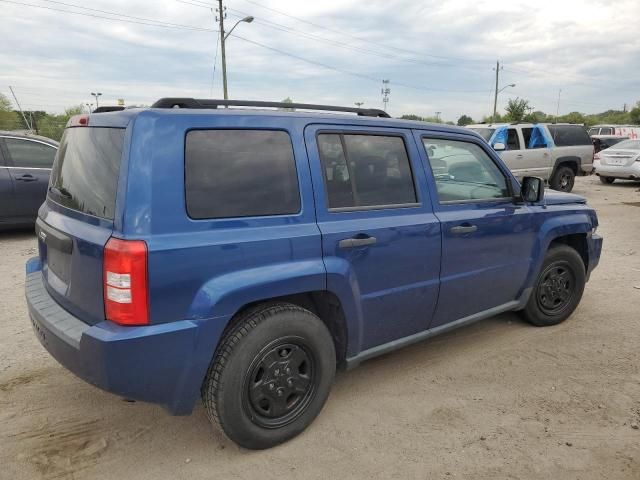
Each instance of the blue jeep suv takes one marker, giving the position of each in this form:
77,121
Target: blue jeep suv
242,254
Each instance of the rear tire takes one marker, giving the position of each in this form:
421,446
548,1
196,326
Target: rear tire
563,179
607,180
558,288
271,375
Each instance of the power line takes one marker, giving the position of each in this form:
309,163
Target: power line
347,72
156,23
355,37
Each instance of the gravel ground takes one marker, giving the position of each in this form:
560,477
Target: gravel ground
498,399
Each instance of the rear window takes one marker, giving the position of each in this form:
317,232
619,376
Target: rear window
569,135
240,173
484,132
85,172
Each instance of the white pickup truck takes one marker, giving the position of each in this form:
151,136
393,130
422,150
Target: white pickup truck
556,152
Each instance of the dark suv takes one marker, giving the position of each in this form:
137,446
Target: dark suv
243,254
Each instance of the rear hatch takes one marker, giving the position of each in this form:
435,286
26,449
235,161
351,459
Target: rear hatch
77,219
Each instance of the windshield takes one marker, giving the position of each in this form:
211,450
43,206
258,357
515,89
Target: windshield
85,171
484,132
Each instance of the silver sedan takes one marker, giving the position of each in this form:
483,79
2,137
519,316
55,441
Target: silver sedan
620,161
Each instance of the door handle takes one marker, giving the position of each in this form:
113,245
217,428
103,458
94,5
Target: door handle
357,242
462,229
519,155
26,178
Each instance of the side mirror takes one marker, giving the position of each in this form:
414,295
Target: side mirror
532,190
499,147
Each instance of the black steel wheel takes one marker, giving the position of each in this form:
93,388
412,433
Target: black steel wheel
270,376
607,180
558,287
280,383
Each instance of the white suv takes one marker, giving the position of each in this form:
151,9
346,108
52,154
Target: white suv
555,152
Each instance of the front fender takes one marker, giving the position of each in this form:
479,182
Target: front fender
551,229
226,294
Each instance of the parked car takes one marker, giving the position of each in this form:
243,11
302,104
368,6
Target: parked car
554,152
620,161
630,131
602,142
244,254
25,164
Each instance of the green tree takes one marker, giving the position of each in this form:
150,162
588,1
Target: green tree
287,100
5,103
75,110
465,120
516,109
412,117
634,114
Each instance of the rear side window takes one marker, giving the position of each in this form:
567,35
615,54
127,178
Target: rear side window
513,142
30,154
240,173
569,135
85,173
366,170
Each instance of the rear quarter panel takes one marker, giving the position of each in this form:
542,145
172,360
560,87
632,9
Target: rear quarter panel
201,269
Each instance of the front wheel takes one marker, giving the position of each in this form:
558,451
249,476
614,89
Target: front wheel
271,375
558,288
607,180
563,179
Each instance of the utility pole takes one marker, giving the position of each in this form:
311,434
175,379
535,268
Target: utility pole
221,16
558,107
20,108
495,98
385,93
438,116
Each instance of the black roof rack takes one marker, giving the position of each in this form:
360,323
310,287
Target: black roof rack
205,103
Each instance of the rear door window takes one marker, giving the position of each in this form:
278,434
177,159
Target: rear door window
240,173
513,142
30,154
569,135
366,170
86,171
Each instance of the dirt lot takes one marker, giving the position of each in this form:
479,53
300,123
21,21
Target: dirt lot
498,399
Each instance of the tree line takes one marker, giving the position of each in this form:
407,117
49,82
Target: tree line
517,110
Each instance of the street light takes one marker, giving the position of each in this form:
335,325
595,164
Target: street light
223,38
96,95
495,101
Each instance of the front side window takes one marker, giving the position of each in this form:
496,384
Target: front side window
464,172
240,173
365,170
30,154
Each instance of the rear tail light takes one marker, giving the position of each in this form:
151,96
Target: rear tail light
596,156
78,121
126,294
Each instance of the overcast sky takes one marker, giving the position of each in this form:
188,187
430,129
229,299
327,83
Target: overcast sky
438,55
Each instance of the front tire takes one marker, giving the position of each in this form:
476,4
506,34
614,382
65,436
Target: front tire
607,180
563,179
558,288
271,375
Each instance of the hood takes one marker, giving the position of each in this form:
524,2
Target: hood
552,197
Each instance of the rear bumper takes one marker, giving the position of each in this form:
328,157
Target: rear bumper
163,363
631,172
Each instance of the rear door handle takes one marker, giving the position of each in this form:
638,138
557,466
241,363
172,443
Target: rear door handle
519,155
357,242
462,229
27,177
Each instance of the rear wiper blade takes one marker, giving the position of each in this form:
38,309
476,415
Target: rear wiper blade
63,192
